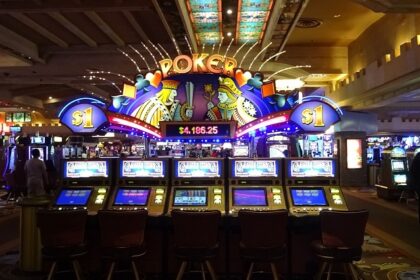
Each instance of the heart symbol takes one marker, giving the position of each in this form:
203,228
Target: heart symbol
155,78
241,77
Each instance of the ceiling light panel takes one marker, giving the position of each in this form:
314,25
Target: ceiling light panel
206,18
252,19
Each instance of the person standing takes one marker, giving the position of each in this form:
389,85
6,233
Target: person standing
36,175
414,177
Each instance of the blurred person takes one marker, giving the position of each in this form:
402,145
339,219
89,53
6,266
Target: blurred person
36,175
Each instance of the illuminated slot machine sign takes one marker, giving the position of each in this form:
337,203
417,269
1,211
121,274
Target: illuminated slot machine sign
198,169
397,165
86,169
254,168
139,168
311,168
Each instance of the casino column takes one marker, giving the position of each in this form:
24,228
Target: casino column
30,240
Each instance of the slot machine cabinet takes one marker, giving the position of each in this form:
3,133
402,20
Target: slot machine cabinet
86,184
312,185
197,185
141,184
255,184
393,173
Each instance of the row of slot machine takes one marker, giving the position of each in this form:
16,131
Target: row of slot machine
303,186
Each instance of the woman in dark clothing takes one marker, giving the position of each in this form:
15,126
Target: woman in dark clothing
414,177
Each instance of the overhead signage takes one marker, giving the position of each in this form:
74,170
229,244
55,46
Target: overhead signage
206,130
84,118
198,63
314,116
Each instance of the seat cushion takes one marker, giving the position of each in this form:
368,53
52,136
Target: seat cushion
123,252
336,254
196,253
64,252
263,254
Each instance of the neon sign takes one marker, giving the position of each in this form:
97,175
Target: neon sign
314,116
84,118
198,63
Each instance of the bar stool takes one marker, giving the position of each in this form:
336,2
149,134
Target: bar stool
342,240
62,237
263,238
196,239
122,237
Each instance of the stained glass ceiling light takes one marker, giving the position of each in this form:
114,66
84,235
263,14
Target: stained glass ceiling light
206,18
252,19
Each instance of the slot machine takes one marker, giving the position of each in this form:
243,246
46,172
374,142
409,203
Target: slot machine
393,173
255,184
197,184
141,184
42,144
86,184
312,185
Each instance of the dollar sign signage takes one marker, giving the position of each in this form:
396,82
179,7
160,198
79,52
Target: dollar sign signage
314,116
84,118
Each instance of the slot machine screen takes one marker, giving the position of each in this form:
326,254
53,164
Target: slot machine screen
76,197
311,168
400,179
397,165
138,168
240,151
41,152
249,197
254,168
86,169
190,197
198,169
130,196
308,197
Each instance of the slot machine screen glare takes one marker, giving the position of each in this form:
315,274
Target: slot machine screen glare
190,197
397,165
197,169
311,168
249,197
131,196
144,169
400,179
308,197
73,197
86,169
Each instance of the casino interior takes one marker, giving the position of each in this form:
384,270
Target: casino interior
194,139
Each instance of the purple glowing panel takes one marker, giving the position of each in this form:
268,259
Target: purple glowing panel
249,197
135,197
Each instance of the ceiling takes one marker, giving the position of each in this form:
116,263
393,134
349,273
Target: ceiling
47,47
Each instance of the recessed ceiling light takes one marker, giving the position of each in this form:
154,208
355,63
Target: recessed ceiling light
229,11
337,15
50,97
229,34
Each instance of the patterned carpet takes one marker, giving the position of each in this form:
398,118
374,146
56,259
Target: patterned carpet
380,262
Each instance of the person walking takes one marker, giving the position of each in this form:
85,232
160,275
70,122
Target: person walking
414,178
36,175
